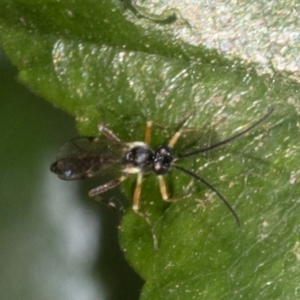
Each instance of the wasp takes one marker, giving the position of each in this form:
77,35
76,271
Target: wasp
89,156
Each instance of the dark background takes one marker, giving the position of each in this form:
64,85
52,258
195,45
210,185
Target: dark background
55,242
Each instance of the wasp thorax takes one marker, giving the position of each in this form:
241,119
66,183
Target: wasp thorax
140,157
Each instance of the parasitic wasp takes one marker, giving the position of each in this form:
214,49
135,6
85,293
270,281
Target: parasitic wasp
89,156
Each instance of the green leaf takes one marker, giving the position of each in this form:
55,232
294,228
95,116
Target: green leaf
127,60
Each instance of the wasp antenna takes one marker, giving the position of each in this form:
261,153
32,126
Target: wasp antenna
213,189
229,139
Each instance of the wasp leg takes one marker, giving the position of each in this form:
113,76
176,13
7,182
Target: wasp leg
177,135
137,193
136,209
148,130
181,131
164,192
111,136
107,186
163,188
150,124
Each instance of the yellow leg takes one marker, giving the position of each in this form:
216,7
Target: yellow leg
137,193
174,139
164,192
177,135
148,132
163,188
136,209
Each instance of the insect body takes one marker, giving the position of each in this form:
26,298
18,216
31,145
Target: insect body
88,156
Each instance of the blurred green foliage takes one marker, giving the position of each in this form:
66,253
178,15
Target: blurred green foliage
82,56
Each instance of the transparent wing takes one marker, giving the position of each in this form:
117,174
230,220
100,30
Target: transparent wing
86,157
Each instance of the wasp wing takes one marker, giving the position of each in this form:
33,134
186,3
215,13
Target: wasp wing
86,157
